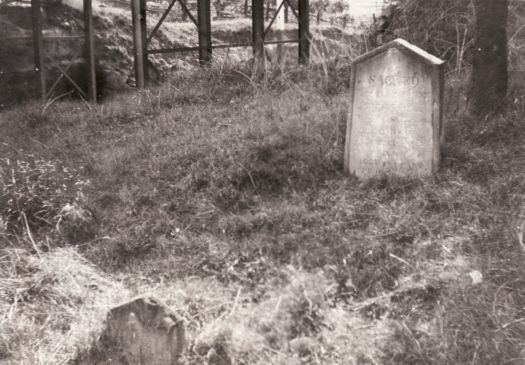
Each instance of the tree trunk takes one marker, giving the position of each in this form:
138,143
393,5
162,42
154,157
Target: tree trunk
489,82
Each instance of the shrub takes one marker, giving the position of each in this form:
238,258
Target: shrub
442,27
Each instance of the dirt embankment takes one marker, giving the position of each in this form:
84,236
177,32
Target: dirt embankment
114,50
113,42
18,77
114,46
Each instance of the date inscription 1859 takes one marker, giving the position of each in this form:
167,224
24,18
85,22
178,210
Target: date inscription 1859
393,80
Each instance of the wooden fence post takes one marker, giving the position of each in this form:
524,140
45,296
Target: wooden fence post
258,31
204,20
144,40
36,20
89,51
137,44
304,32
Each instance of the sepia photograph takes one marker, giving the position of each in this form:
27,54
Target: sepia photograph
262,182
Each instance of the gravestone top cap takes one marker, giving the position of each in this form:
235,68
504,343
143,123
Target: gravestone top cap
401,44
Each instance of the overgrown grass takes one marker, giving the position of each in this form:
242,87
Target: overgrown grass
51,305
238,184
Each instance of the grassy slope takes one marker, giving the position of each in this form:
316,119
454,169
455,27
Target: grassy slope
226,198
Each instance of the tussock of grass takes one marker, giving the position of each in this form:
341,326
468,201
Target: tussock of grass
40,195
290,324
51,307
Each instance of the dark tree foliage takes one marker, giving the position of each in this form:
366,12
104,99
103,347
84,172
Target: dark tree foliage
489,64
441,27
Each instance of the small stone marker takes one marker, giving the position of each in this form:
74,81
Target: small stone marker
395,121
144,332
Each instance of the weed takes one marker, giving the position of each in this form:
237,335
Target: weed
39,195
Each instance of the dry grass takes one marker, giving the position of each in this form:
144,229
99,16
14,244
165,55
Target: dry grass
51,306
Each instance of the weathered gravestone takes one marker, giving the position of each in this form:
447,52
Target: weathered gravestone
143,332
395,122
